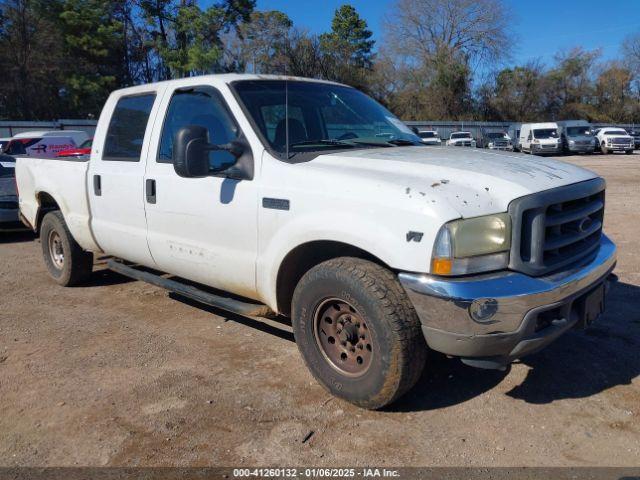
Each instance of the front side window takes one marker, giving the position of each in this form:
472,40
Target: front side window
204,107
301,117
127,127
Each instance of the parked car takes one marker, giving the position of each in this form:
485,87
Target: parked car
45,144
614,139
636,138
3,143
8,195
461,139
494,141
83,150
540,138
375,247
429,137
514,133
576,136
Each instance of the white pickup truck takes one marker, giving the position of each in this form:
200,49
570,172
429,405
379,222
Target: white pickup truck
310,200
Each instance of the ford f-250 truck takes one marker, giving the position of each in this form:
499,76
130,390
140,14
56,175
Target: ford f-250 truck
310,200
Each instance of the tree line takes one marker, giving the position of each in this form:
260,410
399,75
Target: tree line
435,60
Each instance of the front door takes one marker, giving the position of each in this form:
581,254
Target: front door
115,177
202,229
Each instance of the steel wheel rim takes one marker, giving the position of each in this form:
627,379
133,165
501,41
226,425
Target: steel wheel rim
343,337
56,251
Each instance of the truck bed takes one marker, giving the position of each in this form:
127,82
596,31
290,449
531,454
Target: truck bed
63,180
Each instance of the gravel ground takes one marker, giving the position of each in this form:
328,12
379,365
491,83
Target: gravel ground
121,373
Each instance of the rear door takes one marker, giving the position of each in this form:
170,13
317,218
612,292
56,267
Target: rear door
115,182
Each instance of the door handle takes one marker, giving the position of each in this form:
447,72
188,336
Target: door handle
151,190
97,185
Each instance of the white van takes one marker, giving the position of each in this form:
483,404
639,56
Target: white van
540,138
45,144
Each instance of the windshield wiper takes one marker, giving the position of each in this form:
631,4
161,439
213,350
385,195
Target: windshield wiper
401,142
323,141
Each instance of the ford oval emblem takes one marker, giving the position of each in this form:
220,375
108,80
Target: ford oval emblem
584,224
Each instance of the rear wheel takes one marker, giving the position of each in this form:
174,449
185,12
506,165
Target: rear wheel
66,262
358,332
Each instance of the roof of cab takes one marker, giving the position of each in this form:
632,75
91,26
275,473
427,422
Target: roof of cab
219,78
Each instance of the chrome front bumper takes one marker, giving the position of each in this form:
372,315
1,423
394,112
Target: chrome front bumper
443,306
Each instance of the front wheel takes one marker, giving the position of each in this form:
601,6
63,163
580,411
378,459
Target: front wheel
629,152
358,332
604,149
67,263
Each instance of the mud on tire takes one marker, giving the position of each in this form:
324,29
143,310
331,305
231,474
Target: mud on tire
65,260
358,332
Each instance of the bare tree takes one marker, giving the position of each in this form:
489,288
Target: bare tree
475,31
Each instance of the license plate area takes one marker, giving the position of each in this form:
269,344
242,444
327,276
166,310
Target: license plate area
590,306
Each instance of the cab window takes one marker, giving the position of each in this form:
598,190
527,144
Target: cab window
127,127
204,107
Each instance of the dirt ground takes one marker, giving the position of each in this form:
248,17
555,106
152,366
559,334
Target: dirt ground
121,373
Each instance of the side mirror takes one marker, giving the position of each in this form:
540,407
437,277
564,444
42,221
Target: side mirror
191,149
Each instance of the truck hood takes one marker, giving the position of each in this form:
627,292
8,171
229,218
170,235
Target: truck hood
473,182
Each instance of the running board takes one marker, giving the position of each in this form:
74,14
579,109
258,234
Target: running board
194,293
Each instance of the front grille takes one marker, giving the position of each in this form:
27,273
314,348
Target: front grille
620,141
557,227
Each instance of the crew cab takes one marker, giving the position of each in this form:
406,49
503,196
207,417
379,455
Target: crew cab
461,139
308,199
613,139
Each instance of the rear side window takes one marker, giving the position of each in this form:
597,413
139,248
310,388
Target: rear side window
127,127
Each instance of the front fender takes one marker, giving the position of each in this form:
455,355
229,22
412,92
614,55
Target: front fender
386,242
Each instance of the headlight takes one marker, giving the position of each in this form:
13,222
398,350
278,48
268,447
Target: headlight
472,245
572,142
490,144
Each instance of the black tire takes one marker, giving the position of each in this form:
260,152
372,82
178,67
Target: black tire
67,263
390,327
629,152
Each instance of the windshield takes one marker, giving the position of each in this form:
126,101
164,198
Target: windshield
575,131
495,135
461,135
428,135
321,116
545,133
615,132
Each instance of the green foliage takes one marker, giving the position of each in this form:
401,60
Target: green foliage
92,45
349,39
